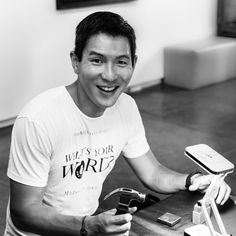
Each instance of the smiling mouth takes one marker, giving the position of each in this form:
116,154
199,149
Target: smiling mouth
107,89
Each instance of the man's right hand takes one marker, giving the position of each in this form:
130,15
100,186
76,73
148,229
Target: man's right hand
107,223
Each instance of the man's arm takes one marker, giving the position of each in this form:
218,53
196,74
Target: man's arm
160,179
30,214
155,176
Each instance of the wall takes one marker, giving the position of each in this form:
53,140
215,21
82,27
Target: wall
36,40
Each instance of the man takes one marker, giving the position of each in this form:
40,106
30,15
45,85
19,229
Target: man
66,141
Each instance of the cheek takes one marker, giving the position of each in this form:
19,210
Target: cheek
88,74
127,77
89,70
126,74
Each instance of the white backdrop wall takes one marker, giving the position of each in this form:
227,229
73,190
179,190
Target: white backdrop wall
36,40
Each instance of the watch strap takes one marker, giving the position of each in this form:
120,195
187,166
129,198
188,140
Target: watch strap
83,231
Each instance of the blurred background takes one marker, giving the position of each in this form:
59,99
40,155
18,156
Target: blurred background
36,40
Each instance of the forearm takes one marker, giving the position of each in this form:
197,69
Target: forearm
168,181
44,220
155,176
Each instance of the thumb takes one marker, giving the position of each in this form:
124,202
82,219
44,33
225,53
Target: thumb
200,183
194,187
112,211
132,210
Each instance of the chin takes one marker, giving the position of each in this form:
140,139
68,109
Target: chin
107,104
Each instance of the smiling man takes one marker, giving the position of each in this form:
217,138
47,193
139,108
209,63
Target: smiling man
66,141
103,73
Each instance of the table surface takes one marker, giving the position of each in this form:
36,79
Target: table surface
144,221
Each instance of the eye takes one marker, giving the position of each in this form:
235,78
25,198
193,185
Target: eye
123,63
96,61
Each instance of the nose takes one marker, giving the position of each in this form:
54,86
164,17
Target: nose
109,73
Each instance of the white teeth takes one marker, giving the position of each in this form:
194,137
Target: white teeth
107,89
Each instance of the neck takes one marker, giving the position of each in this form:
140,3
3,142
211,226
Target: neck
84,103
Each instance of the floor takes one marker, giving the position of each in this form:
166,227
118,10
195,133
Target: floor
174,118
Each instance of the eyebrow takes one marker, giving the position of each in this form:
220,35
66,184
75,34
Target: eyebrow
91,53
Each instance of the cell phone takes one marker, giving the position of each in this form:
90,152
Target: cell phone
209,159
169,219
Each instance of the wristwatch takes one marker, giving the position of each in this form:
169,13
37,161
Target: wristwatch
83,231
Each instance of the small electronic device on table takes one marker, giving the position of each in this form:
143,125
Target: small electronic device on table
219,167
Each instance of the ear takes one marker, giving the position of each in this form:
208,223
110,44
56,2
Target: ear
74,61
135,61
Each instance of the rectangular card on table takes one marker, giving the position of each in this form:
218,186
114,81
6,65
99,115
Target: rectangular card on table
169,219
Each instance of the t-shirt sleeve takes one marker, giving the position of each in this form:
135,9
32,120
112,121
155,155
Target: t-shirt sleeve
29,161
136,144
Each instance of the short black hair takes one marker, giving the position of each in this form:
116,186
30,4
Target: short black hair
103,22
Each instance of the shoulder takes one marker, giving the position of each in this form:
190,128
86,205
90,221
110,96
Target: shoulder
125,101
126,108
43,102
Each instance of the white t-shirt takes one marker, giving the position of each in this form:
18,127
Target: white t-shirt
55,145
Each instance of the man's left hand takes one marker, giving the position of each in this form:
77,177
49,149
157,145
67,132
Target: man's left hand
202,182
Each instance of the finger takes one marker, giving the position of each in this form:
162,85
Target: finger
122,219
200,183
126,233
132,210
111,211
122,229
116,224
125,227
225,195
195,186
205,181
220,194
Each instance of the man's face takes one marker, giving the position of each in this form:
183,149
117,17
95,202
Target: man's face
103,73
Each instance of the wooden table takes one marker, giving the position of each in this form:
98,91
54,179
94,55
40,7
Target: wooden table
181,204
